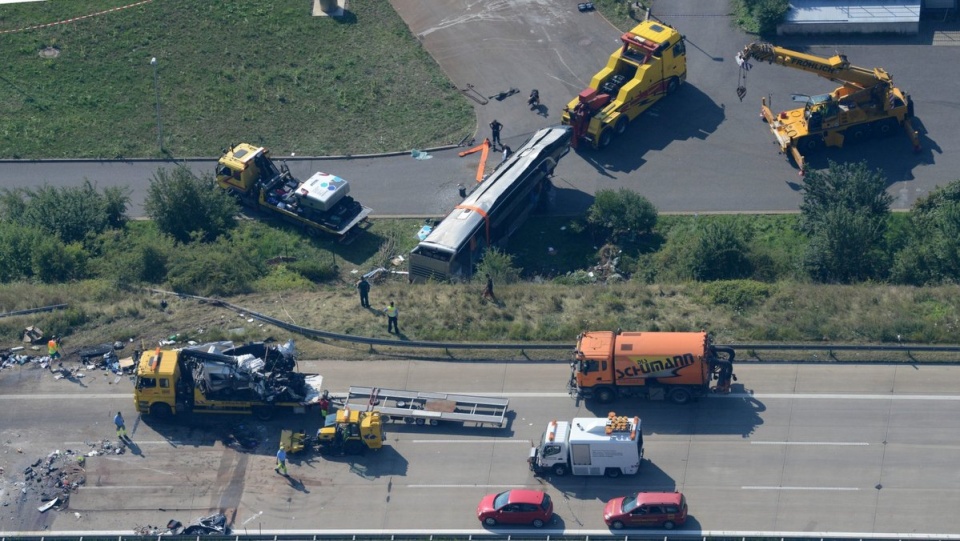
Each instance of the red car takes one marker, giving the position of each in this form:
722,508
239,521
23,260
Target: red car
663,509
516,507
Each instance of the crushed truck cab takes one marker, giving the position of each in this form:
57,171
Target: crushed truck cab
678,366
610,446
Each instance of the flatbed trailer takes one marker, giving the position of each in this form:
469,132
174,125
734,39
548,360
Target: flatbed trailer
417,407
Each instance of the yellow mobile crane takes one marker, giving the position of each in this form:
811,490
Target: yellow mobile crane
867,104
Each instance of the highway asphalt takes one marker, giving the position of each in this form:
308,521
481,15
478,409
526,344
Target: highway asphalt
816,448
701,150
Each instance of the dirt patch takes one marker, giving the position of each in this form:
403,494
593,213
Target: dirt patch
49,52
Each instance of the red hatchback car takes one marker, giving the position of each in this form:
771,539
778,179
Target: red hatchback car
663,509
516,507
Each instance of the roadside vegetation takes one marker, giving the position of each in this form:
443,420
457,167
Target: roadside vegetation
845,270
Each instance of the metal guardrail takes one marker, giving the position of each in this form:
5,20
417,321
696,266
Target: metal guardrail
745,348
34,310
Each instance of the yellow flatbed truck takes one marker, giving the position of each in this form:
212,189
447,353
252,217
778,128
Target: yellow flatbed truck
220,377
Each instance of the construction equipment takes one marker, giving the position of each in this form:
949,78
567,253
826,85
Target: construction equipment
610,446
222,378
651,63
351,431
416,407
678,366
320,204
867,105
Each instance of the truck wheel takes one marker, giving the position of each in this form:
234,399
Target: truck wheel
605,395
857,134
559,470
668,525
421,421
613,473
353,447
264,413
887,127
680,396
809,143
617,525
621,125
606,136
672,85
160,410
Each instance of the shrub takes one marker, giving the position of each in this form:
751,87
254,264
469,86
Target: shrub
499,265
738,294
184,206
621,215
313,270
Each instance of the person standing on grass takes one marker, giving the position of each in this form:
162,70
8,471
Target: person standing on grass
488,290
363,286
392,314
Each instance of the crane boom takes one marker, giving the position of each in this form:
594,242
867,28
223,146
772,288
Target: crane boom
836,68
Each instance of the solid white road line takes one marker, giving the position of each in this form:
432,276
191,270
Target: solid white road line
842,489
464,486
478,440
840,443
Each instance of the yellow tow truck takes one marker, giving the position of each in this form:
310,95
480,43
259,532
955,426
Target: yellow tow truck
651,63
346,432
220,377
320,204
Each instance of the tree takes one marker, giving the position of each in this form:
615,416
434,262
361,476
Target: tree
844,213
185,206
931,253
72,213
621,214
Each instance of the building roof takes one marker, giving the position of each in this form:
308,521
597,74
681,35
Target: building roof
867,11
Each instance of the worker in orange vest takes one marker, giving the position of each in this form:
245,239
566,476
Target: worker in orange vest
53,348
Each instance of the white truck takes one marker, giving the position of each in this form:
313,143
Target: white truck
610,446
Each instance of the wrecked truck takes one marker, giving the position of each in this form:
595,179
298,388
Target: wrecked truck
220,377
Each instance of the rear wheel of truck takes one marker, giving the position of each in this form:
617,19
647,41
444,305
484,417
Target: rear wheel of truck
673,84
605,395
559,470
613,473
680,396
160,410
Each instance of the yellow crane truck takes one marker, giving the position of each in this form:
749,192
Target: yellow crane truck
222,378
346,431
867,105
651,63
320,204
677,366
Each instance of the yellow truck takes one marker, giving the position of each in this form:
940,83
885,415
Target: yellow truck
866,106
651,63
320,204
345,432
220,377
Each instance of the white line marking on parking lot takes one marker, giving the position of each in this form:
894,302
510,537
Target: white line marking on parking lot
841,443
842,489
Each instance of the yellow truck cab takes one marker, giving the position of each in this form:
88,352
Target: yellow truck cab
351,431
156,376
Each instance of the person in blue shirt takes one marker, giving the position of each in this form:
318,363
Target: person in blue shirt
281,462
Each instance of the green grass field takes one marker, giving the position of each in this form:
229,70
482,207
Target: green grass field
228,70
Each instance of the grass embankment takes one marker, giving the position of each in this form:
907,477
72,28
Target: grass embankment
555,303
267,73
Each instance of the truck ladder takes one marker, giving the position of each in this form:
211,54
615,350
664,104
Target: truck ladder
427,407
